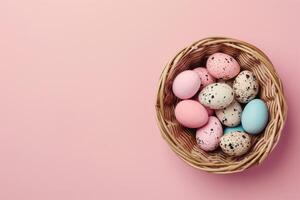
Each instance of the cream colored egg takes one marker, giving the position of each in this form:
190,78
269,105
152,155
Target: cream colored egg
235,143
231,115
216,96
245,86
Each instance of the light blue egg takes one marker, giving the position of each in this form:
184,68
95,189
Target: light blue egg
233,129
255,116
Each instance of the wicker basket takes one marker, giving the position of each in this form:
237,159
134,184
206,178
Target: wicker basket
182,140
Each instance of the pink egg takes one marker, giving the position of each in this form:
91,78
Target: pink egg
208,137
186,84
191,114
222,66
205,77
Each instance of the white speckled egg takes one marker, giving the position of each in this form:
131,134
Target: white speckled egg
235,143
245,86
222,66
208,136
216,96
231,115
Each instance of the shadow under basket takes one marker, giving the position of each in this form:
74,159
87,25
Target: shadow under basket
182,140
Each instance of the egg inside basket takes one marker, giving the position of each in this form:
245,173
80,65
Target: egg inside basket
183,140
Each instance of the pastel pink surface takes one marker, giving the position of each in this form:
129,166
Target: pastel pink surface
186,84
222,66
191,114
205,77
208,137
78,82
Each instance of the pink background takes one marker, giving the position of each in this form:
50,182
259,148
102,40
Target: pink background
78,83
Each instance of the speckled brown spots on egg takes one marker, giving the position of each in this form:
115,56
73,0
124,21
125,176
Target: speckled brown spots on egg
222,66
216,95
235,143
245,86
208,136
231,115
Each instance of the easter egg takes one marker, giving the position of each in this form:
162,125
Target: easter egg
235,143
222,66
191,114
245,86
255,116
208,136
231,115
205,77
186,84
234,129
216,96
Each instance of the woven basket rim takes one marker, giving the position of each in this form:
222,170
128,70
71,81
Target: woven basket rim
276,95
